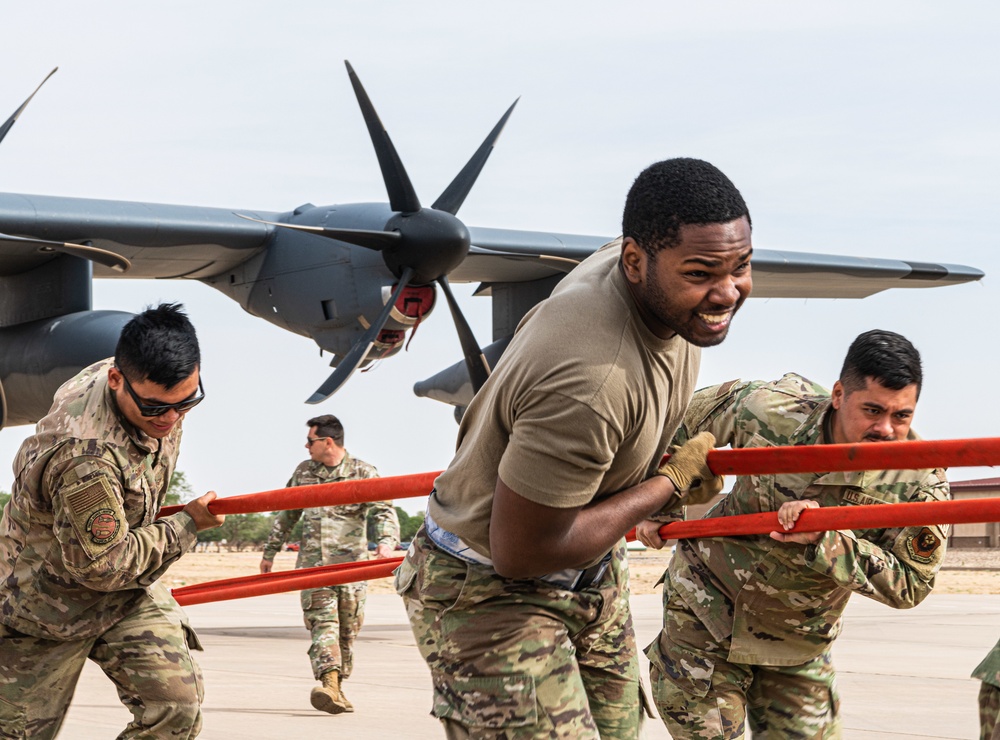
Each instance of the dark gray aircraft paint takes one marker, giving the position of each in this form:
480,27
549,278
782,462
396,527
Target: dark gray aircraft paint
353,278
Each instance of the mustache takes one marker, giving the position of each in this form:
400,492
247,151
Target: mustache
872,437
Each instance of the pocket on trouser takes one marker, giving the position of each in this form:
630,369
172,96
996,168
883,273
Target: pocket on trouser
681,691
439,579
12,721
488,702
194,643
404,577
191,637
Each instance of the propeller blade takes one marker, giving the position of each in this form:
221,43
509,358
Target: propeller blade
83,251
374,240
402,196
475,361
10,121
454,195
562,264
360,349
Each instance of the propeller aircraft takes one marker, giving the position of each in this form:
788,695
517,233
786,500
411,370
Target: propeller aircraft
354,278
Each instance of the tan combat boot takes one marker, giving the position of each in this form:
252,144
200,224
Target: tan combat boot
347,703
327,698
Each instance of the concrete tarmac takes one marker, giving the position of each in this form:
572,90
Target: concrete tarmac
901,674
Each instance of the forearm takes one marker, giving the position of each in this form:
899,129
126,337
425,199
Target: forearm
866,568
141,557
527,539
283,524
386,524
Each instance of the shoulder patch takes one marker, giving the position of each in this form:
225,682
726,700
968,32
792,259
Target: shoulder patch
722,391
923,545
96,514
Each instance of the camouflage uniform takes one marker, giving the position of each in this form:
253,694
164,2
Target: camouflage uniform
749,621
334,534
564,423
989,694
520,659
80,553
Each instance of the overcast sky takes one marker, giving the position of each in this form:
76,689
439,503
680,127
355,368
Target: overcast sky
851,128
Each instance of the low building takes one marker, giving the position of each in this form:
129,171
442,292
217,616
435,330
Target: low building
982,534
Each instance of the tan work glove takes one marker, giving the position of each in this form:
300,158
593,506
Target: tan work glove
688,470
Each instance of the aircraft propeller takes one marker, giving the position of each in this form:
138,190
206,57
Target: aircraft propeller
419,245
83,251
13,119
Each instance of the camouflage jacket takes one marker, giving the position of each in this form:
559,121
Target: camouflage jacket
782,603
79,540
333,534
989,670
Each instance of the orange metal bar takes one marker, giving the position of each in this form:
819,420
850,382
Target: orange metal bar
875,516
322,494
286,580
906,455
811,520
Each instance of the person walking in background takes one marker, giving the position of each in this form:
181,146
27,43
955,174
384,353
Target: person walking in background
332,534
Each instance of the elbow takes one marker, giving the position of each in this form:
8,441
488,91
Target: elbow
100,581
508,567
511,562
919,593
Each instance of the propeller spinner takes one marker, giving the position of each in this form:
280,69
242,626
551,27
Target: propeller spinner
419,245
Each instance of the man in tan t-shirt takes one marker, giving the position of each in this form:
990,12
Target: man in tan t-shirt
516,586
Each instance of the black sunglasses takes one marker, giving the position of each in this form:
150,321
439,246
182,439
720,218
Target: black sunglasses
161,408
311,440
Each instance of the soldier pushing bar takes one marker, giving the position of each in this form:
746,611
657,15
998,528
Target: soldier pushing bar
81,549
748,622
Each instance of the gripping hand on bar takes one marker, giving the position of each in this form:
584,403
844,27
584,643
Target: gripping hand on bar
752,461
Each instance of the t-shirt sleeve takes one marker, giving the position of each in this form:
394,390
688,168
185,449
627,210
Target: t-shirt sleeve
559,451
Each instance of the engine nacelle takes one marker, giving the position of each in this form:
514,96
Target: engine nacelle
38,357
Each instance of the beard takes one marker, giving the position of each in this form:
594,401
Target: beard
684,321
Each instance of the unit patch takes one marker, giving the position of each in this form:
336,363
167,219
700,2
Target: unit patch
103,525
95,513
923,545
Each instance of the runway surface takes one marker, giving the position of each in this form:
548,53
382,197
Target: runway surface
902,674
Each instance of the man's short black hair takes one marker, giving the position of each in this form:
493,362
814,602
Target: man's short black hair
887,357
674,193
328,425
159,345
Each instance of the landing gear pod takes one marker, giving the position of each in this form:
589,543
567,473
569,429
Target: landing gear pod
39,356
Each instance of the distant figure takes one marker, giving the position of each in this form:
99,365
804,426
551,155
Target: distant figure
748,622
332,534
989,695
517,585
81,549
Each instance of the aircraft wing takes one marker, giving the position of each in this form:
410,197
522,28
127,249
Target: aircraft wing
172,241
498,255
161,241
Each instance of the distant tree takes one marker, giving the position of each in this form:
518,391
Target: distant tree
4,498
409,524
240,531
180,490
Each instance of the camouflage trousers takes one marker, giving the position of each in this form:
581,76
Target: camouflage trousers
334,617
518,659
147,655
700,694
989,711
